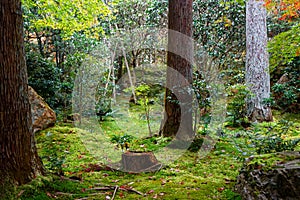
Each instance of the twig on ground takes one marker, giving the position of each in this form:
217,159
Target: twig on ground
63,193
20,193
132,190
116,189
102,188
69,179
109,187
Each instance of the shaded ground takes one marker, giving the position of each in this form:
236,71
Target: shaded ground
79,175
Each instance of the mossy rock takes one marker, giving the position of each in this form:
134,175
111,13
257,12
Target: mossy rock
270,176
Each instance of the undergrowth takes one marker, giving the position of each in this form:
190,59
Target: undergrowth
75,173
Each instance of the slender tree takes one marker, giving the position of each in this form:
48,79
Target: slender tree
257,62
178,98
19,162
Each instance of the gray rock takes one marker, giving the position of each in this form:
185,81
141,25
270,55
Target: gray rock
281,181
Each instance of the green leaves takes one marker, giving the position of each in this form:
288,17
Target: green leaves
273,140
219,26
284,47
69,16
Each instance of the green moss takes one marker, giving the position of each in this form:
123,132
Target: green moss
270,161
7,188
189,177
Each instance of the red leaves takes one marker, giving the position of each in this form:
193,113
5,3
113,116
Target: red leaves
121,195
287,9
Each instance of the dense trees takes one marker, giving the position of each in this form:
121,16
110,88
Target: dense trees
19,162
58,36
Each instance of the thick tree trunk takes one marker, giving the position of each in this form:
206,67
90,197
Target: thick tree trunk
19,162
257,62
178,99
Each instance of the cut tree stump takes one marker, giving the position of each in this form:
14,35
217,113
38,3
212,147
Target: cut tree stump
137,162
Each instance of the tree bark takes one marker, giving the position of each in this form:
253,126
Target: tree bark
19,162
178,114
257,62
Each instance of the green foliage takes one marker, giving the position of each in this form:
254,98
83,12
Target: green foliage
127,15
143,91
157,13
287,93
276,26
191,176
149,144
237,104
143,94
55,160
196,144
273,139
61,150
201,90
230,195
284,47
58,36
219,26
233,76
43,76
122,141
8,188
69,16
104,93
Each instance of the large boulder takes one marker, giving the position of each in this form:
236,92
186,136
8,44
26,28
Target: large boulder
42,115
272,176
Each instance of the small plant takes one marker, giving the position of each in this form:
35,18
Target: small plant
196,144
143,92
103,95
273,140
123,141
286,90
150,143
287,95
237,104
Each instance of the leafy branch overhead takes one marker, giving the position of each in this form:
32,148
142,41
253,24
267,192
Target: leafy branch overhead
68,16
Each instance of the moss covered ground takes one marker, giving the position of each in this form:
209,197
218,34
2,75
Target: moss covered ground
74,172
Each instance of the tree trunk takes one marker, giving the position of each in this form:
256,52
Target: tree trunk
120,68
19,162
178,113
257,62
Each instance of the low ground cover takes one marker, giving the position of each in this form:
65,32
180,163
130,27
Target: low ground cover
75,173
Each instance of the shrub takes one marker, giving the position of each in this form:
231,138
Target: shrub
236,114
272,139
287,92
43,77
122,141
